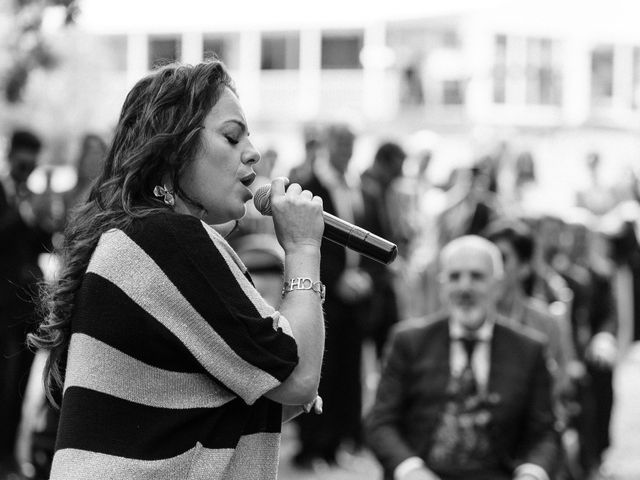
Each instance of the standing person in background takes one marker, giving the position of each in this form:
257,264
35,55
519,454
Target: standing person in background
595,197
376,182
168,361
89,163
410,193
595,334
303,172
348,289
462,395
516,243
517,246
22,239
471,205
42,435
415,203
525,184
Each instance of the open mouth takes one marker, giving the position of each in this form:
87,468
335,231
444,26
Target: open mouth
248,180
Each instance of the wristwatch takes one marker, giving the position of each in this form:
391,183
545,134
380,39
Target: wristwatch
304,283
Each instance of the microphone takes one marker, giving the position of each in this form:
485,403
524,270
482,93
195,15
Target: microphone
339,231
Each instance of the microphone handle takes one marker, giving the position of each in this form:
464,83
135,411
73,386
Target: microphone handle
359,240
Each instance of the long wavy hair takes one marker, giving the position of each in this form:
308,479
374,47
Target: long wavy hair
157,136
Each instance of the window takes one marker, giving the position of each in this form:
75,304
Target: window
602,75
163,50
526,71
214,46
500,70
224,46
341,51
542,78
280,51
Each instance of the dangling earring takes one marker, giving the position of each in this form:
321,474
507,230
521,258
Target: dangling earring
166,193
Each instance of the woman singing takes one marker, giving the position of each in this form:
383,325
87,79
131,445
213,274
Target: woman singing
170,364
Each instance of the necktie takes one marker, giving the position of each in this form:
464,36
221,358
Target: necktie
468,385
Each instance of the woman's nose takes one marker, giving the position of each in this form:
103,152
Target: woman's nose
250,156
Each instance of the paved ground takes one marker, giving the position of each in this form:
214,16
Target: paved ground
622,461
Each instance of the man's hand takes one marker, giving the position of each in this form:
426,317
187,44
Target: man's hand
354,285
602,351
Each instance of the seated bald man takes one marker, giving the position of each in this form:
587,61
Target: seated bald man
462,395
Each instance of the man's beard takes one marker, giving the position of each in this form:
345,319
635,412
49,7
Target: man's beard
470,318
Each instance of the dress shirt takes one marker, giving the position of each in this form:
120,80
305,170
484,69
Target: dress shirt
480,359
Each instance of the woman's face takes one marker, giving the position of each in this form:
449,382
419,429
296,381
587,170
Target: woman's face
220,175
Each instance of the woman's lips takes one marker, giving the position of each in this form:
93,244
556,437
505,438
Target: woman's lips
248,180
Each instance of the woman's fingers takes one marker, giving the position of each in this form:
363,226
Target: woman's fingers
294,189
278,185
297,216
317,405
306,194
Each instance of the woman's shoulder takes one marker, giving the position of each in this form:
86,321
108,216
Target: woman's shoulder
169,240
159,232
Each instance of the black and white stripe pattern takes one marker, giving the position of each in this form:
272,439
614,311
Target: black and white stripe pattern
172,350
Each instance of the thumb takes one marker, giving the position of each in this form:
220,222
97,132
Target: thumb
278,185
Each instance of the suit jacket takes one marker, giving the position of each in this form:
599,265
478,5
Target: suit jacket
556,332
340,383
20,246
413,391
333,257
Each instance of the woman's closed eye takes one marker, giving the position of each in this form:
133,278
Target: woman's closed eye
231,139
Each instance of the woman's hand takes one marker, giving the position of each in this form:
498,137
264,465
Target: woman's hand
297,216
289,412
316,406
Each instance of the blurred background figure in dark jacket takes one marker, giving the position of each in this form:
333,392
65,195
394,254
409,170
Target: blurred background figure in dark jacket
22,239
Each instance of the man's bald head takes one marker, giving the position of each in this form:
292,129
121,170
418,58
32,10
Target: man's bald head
470,269
478,244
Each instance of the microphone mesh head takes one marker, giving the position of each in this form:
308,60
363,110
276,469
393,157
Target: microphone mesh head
262,199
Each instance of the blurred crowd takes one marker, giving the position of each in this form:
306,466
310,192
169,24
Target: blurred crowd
573,276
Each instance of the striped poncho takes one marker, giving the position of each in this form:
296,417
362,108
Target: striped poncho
172,350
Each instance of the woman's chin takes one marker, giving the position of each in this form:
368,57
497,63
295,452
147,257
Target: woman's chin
226,228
